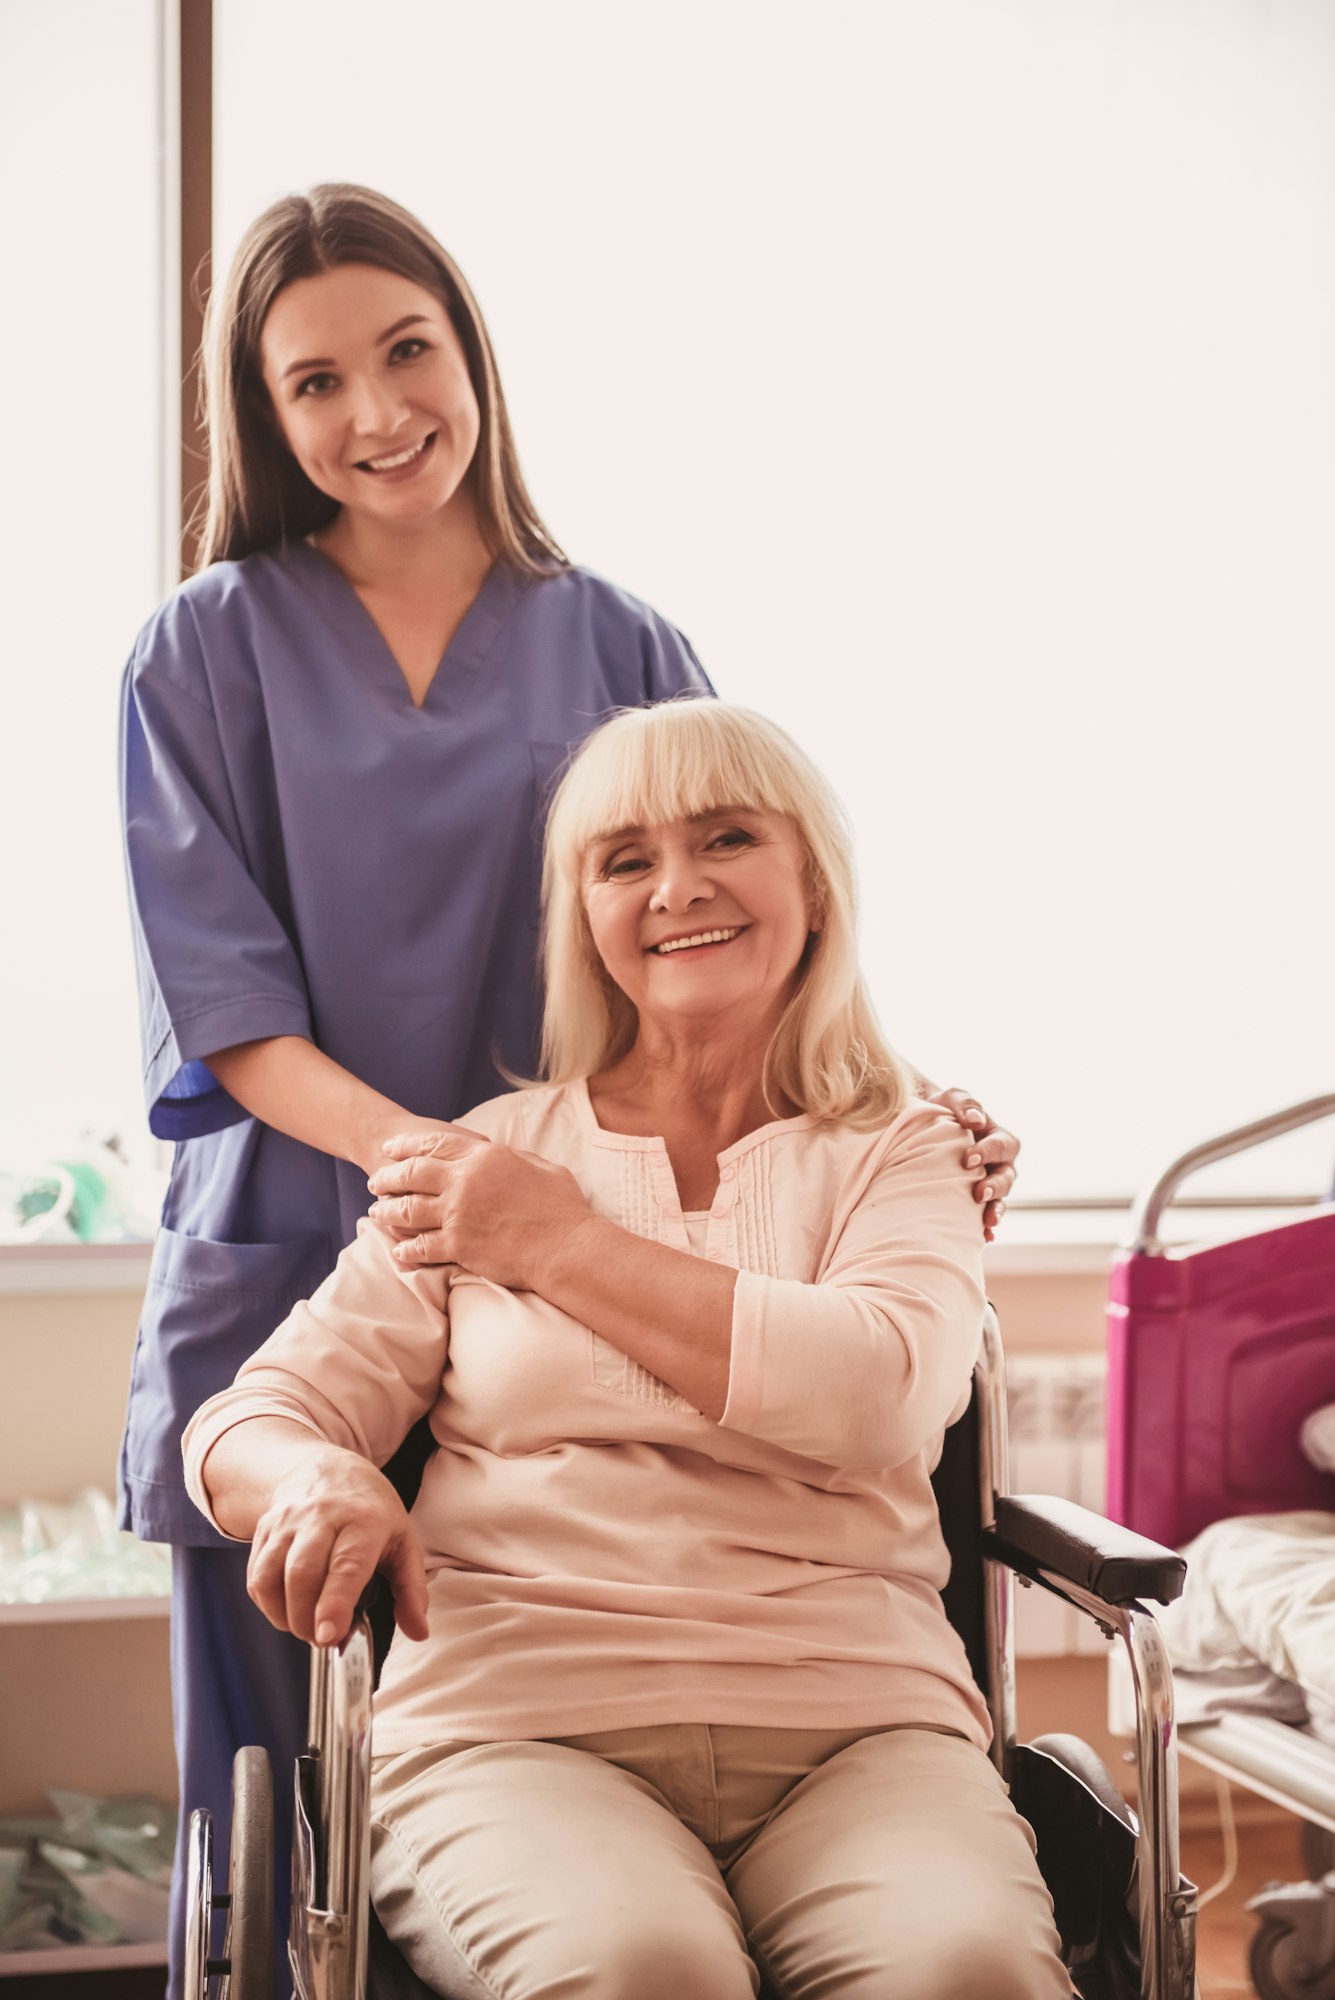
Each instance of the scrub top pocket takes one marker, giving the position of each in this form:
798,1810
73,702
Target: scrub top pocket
207,1308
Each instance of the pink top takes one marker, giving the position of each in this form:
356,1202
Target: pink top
599,1553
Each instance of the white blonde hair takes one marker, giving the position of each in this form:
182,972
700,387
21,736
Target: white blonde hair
649,767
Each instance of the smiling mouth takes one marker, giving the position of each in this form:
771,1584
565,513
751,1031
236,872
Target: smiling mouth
696,940
397,461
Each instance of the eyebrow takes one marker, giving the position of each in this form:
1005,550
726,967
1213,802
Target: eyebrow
323,360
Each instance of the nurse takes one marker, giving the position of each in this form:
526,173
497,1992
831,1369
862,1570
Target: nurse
337,744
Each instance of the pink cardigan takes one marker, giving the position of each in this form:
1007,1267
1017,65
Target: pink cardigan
599,1553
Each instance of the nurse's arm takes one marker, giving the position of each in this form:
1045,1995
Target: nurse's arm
321,1521
286,1082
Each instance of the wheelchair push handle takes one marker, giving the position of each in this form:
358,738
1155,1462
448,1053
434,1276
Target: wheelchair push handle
1146,1214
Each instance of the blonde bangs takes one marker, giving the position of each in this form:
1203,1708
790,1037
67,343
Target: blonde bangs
651,766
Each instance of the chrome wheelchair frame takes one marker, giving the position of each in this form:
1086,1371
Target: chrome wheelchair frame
1126,1915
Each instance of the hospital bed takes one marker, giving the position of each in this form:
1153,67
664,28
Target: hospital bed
1217,1356
1125,1913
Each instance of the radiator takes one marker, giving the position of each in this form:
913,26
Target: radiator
1056,1407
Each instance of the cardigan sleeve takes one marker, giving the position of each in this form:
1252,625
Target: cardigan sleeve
357,1364
867,1366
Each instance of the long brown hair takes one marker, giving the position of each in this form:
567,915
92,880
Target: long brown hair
258,496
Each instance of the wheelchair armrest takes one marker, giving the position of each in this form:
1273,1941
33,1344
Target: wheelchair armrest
1036,1532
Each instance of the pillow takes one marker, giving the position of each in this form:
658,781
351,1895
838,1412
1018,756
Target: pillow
1317,1439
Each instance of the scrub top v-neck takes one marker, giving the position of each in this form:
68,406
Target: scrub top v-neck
309,853
461,663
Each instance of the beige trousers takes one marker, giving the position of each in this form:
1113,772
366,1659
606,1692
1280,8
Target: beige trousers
682,1862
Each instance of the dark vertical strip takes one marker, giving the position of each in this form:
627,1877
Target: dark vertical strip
196,171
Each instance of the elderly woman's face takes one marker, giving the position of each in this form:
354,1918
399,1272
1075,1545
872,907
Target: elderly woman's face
701,917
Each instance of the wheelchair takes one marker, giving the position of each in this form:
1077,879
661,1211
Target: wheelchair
1125,1914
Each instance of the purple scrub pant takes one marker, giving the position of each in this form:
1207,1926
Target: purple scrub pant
235,1680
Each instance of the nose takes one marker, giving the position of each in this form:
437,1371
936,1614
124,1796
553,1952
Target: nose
682,881
377,407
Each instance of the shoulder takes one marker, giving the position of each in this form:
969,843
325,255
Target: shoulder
216,604
918,1127
921,1143
610,614
541,1118
579,589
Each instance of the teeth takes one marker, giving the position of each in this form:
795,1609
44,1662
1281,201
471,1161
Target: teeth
701,937
399,458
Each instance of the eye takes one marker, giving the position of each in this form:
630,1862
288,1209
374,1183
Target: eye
622,865
407,350
314,385
733,836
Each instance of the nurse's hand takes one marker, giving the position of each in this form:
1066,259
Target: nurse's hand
491,1210
417,1135
990,1157
333,1521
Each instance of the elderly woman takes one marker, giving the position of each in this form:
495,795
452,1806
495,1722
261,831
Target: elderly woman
673,1696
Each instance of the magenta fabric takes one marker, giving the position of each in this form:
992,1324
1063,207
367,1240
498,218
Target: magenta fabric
1215,1357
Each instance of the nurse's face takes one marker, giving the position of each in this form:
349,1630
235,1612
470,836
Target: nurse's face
702,920
371,391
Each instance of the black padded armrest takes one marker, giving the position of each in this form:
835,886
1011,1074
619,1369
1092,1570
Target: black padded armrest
1036,1532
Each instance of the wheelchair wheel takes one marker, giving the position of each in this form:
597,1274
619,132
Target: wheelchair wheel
1280,1969
246,1964
248,1948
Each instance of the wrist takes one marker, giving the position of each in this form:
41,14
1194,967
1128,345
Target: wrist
570,1251
384,1121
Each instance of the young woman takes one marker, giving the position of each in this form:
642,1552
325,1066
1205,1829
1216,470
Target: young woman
674,1693
337,742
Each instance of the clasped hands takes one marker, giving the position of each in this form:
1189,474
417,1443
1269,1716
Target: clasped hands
452,1197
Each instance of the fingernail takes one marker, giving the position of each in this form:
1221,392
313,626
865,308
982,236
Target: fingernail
325,1634
987,1193
973,1159
388,1146
1001,1209
972,1111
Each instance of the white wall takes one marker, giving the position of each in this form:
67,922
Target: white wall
955,372
79,546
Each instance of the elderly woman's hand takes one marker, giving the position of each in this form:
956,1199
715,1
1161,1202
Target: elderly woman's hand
490,1209
332,1522
991,1157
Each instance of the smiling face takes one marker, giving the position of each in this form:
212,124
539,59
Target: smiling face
371,390
702,918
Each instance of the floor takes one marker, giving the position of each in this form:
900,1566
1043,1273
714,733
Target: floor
1268,1851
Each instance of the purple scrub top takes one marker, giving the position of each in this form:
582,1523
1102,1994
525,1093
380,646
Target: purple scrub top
310,854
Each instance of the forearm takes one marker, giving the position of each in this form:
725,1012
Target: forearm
669,1311
286,1082
246,1463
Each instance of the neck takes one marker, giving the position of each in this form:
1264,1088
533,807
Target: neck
680,1074
377,555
